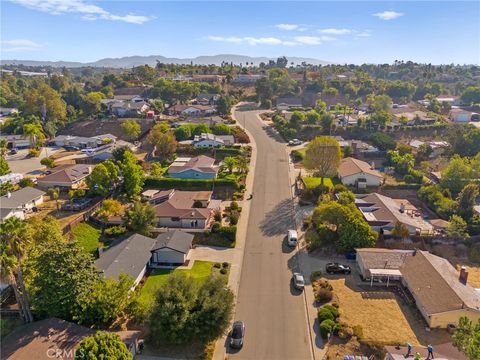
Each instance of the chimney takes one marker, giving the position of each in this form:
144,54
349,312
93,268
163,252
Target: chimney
463,275
372,165
402,208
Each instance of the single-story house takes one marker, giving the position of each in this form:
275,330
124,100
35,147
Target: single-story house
452,100
247,79
354,172
284,103
437,146
210,140
65,176
191,110
12,178
133,108
53,338
171,248
8,111
25,199
381,264
460,115
6,213
105,152
441,293
154,196
16,141
209,78
82,142
382,213
180,210
206,99
414,117
199,167
130,256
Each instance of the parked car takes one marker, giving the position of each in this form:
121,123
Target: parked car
298,281
71,148
292,237
13,151
336,268
295,142
237,334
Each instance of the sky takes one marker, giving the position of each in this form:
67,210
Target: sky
337,31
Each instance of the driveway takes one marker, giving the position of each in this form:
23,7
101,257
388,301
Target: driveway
20,163
212,253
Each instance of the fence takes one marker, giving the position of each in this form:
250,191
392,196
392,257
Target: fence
82,217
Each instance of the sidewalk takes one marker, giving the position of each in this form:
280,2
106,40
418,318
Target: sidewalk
237,260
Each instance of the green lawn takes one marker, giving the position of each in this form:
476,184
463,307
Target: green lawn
200,271
87,236
313,182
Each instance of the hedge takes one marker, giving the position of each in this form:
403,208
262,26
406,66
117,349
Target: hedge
402,186
169,183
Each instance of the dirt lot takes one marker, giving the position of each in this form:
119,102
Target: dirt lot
383,317
99,127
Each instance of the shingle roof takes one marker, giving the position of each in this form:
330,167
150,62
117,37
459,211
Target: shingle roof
435,283
67,173
181,203
351,166
200,163
374,258
129,257
20,197
176,240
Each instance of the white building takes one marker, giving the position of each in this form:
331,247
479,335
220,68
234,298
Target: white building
354,172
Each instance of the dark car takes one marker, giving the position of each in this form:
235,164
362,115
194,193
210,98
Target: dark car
336,268
13,151
237,334
71,148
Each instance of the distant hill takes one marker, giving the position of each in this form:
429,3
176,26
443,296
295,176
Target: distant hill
131,61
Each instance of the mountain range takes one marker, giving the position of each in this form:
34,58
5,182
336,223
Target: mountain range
131,61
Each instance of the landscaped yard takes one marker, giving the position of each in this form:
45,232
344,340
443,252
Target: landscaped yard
87,236
381,316
313,182
200,271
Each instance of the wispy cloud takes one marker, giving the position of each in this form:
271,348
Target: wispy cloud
388,15
334,31
89,11
291,27
296,40
366,33
18,45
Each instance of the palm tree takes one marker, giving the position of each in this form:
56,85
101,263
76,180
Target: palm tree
54,195
242,164
13,246
230,163
35,133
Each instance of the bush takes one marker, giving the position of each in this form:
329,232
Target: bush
223,271
315,275
228,232
233,205
237,195
357,331
324,295
234,215
333,310
225,264
326,327
33,152
115,231
217,265
216,227
197,204
217,215
325,314
338,188
169,183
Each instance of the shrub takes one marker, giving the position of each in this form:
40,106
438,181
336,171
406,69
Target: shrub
325,314
345,332
326,327
216,227
197,204
115,231
33,152
333,310
169,183
357,331
228,232
223,271
338,188
324,295
225,264
237,195
233,205
217,215
315,275
217,265
234,215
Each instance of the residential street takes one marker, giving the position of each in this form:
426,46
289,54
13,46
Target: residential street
274,313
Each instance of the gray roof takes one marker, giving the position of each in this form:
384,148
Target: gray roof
130,257
4,213
20,197
176,240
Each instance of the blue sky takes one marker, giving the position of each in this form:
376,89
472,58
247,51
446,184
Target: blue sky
345,32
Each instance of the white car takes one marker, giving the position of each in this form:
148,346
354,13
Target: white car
295,142
292,237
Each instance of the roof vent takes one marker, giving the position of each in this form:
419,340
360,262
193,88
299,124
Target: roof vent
402,208
463,275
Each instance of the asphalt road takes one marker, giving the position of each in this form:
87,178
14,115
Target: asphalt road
274,313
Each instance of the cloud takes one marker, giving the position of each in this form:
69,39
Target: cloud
365,33
334,31
90,11
388,15
18,45
290,27
249,40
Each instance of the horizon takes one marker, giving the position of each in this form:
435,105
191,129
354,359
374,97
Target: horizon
335,32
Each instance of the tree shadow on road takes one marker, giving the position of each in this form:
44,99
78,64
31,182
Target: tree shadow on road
279,219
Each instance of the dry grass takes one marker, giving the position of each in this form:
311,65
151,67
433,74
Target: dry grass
473,275
381,318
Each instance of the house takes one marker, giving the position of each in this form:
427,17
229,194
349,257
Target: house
441,294
8,111
206,99
12,178
132,108
205,140
377,263
437,146
354,172
25,199
459,115
65,176
199,167
414,117
130,256
452,100
171,248
53,338
155,197
207,78
16,141
285,103
442,352
191,110
82,142
247,79
105,152
6,213
382,213
185,209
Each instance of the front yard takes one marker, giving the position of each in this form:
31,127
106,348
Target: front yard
314,182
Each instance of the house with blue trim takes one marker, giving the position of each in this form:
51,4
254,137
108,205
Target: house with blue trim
199,167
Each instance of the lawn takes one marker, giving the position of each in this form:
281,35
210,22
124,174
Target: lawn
200,271
88,237
313,182
381,316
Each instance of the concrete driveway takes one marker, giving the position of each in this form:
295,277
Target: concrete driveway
212,253
20,163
